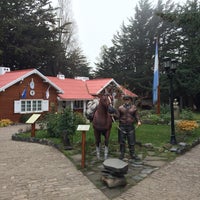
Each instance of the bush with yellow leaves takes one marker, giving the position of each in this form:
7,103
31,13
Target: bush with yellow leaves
186,126
5,122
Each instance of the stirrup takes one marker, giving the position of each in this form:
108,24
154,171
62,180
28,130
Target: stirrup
98,152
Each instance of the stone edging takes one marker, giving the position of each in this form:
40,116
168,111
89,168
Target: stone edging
43,141
181,148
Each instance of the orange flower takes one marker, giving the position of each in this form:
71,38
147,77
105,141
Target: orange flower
186,125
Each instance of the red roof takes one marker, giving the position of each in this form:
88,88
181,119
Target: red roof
71,89
10,78
74,89
80,90
95,86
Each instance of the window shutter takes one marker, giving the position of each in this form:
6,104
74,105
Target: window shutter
17,106
45,105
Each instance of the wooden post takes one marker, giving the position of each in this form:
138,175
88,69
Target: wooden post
83,149
158,102
33,130
83,128
32,121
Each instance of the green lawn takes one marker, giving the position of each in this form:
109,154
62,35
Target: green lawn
155,134
196,115
158,135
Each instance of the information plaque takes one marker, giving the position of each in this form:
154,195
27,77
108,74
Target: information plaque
33,118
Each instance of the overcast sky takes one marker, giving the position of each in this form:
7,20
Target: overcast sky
98,20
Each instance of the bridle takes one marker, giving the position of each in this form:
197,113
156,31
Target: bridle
110,101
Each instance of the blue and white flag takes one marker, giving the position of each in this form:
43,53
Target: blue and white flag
156,76
24,93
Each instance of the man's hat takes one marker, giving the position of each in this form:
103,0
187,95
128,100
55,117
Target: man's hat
127,97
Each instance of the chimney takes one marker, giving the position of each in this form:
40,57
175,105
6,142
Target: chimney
3,70
61,76
83,78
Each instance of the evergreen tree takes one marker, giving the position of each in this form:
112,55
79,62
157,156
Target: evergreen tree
131,58
183,44
31,37
77,64
27,38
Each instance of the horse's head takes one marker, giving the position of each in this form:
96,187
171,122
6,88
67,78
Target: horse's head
107,101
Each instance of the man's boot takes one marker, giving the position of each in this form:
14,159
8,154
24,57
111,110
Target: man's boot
122,151
132,154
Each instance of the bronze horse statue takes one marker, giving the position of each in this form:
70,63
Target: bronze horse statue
102,123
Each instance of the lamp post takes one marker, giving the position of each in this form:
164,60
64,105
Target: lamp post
170,69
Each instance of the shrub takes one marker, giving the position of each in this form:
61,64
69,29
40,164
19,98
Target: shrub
150,118
24,117
79,118
67,121
186,114
52,124
5,122
56,123
165,109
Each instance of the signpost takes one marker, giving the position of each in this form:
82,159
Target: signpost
83,128
32,121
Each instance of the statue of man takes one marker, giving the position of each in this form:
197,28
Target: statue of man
128,116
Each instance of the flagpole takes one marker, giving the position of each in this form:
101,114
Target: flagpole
158,102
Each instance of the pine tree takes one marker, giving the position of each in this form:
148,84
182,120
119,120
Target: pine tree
131,58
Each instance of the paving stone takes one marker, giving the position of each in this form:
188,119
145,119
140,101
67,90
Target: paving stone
33,171
155,163
28,169
155,158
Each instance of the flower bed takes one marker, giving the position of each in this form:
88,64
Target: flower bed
186,126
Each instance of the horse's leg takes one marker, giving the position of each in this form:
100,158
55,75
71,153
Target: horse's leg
97,142
107,135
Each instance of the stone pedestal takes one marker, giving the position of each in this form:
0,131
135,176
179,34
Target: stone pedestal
113,174
113,182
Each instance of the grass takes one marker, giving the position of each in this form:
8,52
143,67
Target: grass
157,135
196,115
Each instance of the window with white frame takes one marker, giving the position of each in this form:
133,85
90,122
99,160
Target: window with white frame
31,106
78,104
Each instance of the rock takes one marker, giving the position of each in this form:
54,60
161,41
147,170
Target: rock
67,147
183,144
174,149
112,181
148,145
116,165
